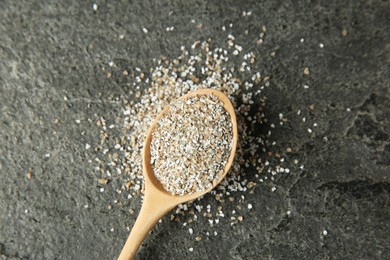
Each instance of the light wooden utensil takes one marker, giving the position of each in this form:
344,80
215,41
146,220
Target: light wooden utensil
157,201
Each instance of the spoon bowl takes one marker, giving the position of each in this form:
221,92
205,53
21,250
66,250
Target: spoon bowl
157,201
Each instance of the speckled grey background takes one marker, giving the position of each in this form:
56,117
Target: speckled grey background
50,50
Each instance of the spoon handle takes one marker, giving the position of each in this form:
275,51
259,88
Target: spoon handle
152,210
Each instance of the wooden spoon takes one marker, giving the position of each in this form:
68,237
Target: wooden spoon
157,201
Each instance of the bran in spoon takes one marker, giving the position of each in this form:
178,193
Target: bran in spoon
191,144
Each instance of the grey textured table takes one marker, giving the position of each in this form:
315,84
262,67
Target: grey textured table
50,50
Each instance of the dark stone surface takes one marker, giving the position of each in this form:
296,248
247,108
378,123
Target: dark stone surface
51,49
